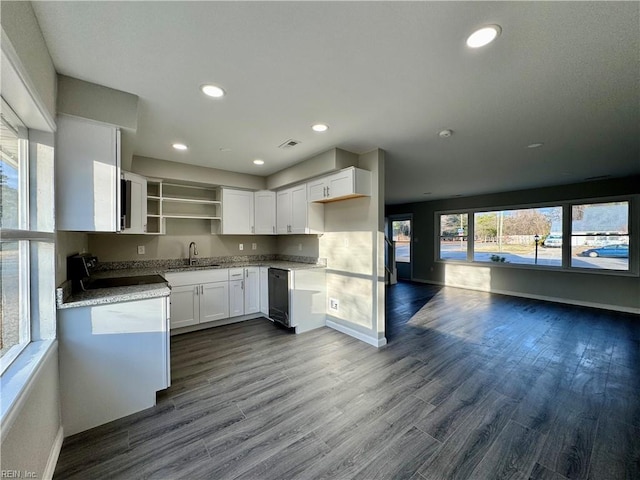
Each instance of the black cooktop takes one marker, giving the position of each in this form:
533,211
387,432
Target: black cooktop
124,281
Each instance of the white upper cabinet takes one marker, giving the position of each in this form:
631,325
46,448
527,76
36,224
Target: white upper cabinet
237,212
265,212
348,183
87,176
295,215
134,205
283,211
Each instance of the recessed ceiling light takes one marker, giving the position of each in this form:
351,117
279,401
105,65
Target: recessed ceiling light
257,161
535,145
224,149
179,146
483,36
320,127
212,91
445,133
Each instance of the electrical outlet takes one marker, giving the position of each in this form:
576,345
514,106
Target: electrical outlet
241,246
299,247
140,249
254,246
334,305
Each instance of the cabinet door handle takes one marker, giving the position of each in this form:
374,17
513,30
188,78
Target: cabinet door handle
197,290
327,191
253,229
324,192
274,229
202,289
242,285
246,273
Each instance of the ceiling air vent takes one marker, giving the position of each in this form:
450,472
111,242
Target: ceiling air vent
289,144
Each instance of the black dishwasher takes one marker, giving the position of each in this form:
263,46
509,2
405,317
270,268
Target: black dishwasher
279,296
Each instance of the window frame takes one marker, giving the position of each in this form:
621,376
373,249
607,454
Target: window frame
566,205
629,235
25,237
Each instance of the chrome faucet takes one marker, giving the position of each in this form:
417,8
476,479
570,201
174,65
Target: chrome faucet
193,261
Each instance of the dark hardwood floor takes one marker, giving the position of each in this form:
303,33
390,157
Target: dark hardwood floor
471,386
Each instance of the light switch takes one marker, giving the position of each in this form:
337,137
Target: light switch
140,249
241,246
254,246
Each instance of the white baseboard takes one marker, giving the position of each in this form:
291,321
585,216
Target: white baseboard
567,301
50,468
376,342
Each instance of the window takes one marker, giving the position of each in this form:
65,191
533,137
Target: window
27,272
453,236
598,232
600,236
518,236
401,235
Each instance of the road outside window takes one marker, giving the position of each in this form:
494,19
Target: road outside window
401,236
453,236
600,236
526,236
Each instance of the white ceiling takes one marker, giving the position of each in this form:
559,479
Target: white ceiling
386,75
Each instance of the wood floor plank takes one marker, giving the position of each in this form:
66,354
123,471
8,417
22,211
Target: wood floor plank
297,457
569,444
542,473
616,452
251,442
449,415
512,455
402,457
463,451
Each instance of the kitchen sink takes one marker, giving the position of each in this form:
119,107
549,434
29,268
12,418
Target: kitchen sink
124,281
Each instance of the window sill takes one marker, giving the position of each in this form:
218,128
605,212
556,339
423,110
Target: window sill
17,379
546,268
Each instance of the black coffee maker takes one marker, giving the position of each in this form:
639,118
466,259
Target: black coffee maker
79,268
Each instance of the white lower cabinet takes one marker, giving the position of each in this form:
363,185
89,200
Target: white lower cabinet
251,290
213,301
264,291
236,298
113,359
195,300
184,306
244,291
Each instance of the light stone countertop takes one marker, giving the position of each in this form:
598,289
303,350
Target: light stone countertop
104,296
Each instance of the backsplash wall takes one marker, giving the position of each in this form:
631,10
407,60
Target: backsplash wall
68,243
114,247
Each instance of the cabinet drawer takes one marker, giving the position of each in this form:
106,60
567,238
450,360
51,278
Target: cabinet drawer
236,274
195,277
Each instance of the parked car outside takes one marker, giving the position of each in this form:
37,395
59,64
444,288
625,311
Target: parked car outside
553,241
617,250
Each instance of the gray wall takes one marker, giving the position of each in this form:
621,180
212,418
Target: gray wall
20,25
156,168
96,102
325,162
583,288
